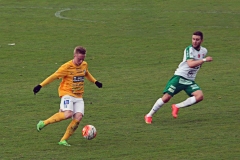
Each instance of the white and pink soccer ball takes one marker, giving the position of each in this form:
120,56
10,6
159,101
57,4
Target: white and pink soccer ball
89,132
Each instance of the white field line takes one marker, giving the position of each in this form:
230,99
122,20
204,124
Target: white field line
58,13
88,9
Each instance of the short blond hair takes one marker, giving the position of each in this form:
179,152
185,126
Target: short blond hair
80,49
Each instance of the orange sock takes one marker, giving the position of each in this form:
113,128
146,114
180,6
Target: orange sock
55,118
70,129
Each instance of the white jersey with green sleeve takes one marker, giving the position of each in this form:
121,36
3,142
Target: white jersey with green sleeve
190,53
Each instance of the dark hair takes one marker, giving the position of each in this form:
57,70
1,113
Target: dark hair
198,33
80,49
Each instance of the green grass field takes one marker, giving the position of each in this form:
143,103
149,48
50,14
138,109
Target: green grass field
134,47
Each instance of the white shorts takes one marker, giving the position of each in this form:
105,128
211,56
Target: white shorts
72,103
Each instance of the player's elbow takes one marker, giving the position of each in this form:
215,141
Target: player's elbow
191,63
191,66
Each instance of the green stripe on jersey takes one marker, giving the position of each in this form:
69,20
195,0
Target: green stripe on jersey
188,52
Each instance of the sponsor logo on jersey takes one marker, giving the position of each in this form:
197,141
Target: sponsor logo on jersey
78,79
201,55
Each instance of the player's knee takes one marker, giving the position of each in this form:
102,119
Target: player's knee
199,98
68,114
166,97
198,95
78,116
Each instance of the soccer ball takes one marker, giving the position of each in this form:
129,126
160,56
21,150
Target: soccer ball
89,132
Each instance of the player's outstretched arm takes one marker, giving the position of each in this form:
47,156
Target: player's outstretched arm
194,63
45,82
89,76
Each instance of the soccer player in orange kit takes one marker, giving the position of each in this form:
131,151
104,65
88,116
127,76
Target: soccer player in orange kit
70,91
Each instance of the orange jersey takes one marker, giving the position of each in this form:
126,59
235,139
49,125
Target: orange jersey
72,79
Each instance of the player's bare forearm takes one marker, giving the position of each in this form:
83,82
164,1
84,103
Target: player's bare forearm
194,63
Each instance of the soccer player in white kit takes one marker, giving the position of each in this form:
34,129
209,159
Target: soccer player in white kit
184,78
